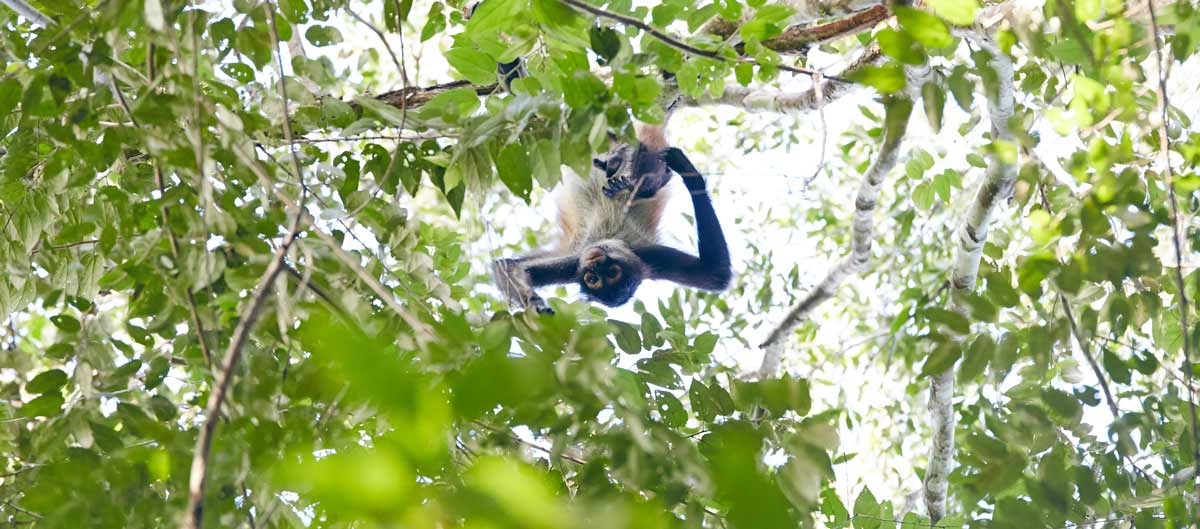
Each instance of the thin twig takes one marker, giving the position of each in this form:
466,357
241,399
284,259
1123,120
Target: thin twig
287,115
1091,360
194,514
189,296
382,38
1067,14
64,246
1164,145
530,444
372,137
23,510
820,93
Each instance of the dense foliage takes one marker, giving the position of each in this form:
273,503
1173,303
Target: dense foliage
245,255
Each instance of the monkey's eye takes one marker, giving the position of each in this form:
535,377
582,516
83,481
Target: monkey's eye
592,280
613,273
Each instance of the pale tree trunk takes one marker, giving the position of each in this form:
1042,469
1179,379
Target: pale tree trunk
972,235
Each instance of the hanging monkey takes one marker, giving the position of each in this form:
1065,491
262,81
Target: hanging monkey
609,231
609,219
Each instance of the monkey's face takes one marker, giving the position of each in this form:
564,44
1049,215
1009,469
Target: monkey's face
610,273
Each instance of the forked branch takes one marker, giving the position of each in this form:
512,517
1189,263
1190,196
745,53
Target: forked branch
899,109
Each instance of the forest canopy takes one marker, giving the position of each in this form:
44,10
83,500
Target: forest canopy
247,245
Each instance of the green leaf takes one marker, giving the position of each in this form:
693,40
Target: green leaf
866,511
240,72
778,396
924,27
452,105
670,409
140,424
957,12
337,112
472,64
162,408
1063,405
47,382
605,42
978,355
627,337
951,320
323,35
515,170
107,439
159,367
385,112
961,87
1116,367
887,79
1086,10
923,195
10,94
47,405
703,346
900,46
934,99
65,322
942,358
744,72
702,403
650,329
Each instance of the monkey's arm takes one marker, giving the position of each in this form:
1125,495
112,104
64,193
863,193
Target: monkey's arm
711,270
517,278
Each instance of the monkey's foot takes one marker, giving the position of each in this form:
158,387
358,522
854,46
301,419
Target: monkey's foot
538,304
616,185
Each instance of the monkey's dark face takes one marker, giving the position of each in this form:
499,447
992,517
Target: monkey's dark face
610,273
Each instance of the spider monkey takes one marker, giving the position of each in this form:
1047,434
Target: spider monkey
609,222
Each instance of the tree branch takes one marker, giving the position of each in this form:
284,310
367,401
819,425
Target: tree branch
760,100
194,513
972,235
1091,360
29,12
674,42
899,110
800,38
1177,236
412,97
795,38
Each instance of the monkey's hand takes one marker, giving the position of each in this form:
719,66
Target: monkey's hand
680,163
511,279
